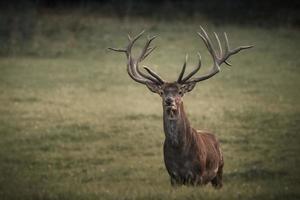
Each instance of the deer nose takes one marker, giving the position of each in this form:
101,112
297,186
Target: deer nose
169,101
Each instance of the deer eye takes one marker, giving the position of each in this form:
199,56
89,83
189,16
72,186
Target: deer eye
180,93
161,92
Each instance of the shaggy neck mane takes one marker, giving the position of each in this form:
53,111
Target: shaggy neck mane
178,132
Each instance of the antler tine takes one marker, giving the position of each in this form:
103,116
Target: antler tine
229,52
217,59
226,43
148,52
152,73
127,50
136,37
118,50
219,44
129,37
207,41
145,52
134,76
132,73
132,64
194,71
183,69
132,41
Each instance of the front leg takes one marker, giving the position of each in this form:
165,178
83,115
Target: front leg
175,179
175,183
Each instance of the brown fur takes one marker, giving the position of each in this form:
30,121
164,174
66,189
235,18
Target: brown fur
192,157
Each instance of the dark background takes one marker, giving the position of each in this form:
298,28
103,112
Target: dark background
266,13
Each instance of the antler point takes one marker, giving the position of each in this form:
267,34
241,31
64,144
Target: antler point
227,63
199,55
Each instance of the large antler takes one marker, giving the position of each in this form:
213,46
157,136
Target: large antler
218,58
133,64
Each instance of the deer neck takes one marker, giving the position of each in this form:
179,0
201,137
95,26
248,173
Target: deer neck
177,131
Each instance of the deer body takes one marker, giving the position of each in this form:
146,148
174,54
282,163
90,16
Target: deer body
191,157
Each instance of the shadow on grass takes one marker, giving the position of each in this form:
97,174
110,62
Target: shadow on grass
254,173
286,195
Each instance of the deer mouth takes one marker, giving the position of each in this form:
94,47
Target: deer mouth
171,111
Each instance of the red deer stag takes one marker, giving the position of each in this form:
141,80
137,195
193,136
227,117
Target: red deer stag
192,157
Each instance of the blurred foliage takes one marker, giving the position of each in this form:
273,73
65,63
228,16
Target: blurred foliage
26,26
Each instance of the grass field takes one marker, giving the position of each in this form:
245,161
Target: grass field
73,125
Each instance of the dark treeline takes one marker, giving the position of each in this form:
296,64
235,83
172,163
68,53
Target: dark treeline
262,12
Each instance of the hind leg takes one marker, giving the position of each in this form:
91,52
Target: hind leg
217,181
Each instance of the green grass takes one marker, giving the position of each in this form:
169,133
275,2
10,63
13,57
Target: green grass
73,125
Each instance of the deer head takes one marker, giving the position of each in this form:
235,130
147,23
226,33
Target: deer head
172,92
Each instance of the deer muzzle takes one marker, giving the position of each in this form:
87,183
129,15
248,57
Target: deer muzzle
170,107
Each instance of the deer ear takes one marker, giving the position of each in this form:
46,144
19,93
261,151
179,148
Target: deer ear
153,87
187,87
